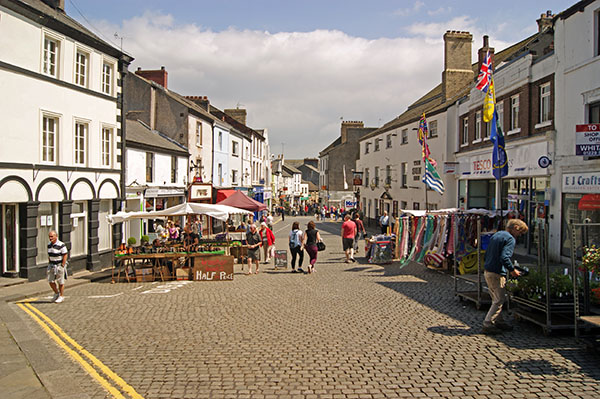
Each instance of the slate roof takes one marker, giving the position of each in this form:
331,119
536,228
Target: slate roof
290,169
238,125
41,13
311,186
139,135
433,103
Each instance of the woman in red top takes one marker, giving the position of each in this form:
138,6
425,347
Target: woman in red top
268,239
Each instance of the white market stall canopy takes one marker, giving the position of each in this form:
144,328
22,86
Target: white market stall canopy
220,212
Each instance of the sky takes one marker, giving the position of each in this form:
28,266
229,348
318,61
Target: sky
301,67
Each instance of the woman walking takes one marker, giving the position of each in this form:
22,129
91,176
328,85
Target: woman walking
310,240
268,239
296,248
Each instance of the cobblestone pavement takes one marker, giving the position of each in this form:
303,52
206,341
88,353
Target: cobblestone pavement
347,331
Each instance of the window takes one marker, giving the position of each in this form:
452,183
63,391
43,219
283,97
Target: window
487,129
49,139
107,73
367,177
388,141
404,136
597,32
199,134
149,167
477,127
376,177
104,229
514,112
220,141
465,131
367,148
81,68
403,204
388,175
377,144
106,150
500,110
594,113
433,129
416,206
50,57
545,103
78,229
81,130
173,169
235,148
234,177
404,174
481,194
220,173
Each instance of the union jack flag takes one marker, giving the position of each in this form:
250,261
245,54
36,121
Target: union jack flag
485,74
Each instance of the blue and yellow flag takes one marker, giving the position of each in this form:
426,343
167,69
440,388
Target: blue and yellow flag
489,103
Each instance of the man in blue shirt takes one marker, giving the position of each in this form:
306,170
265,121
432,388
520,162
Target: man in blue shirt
497,265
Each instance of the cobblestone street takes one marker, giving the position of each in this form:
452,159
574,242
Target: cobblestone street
346,331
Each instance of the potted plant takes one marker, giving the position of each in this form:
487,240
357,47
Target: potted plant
591,259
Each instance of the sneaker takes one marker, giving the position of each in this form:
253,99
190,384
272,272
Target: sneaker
353,260
300,270
503,326
55,297
294,271
59,299
490,330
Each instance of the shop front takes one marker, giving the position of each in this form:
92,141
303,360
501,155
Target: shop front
525,190
580,203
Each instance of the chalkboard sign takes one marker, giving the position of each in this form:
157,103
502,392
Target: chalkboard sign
281,259
213,268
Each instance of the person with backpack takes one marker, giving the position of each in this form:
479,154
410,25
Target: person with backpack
296,248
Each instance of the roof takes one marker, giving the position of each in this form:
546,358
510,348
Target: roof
311,186
294,162
138,134
311,168
178,97
433,102
577,7
337,142
41,13
290,169
238,125
285,173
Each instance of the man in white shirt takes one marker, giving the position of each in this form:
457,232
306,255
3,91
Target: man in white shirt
270,220
384,222
57,258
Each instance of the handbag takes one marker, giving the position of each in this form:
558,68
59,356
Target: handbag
321,246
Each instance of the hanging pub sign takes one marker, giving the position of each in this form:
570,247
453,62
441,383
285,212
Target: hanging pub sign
587,139
357,178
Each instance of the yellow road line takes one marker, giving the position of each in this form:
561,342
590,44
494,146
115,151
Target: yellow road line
107,371
86,366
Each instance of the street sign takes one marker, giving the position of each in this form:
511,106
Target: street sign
587,139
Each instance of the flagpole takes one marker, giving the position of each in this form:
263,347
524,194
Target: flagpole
426,201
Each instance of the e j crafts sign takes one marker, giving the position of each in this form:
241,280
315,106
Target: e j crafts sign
586,182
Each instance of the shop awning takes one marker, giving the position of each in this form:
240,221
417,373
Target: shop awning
223,194
589,202
220,212
242,201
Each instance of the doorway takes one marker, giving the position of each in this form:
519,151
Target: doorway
10,239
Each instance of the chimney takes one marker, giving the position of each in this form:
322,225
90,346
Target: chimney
157,76
349,125
56,4
201,101
458,70
483,51
239,114
545,21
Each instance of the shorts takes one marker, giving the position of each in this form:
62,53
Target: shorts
348,243
254,254
56,274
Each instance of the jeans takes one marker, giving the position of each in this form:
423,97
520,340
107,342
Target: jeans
497,287
297,251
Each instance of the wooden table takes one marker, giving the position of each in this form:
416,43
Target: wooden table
157,261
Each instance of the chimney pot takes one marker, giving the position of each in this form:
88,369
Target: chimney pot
485,41
162,68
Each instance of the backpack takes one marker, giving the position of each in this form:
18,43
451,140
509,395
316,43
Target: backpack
294,240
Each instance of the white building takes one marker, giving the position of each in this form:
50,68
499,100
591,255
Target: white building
220,146
577,81
155,174
61,153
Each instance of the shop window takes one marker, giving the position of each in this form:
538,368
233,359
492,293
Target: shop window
78,229
47,221
104,229
481,194
571,213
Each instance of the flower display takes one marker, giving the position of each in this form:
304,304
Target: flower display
591,259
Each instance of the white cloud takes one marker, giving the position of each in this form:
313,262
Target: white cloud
439,11
295,84
403,12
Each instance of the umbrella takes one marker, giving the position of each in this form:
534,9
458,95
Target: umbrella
220,212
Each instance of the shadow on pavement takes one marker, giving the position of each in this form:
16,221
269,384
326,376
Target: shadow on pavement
436,291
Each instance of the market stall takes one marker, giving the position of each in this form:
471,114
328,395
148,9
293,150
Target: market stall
206,259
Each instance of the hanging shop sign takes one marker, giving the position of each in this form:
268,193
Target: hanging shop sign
522,161
200,192
585,182
164,192
357,178
349,204
450,168
587,139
